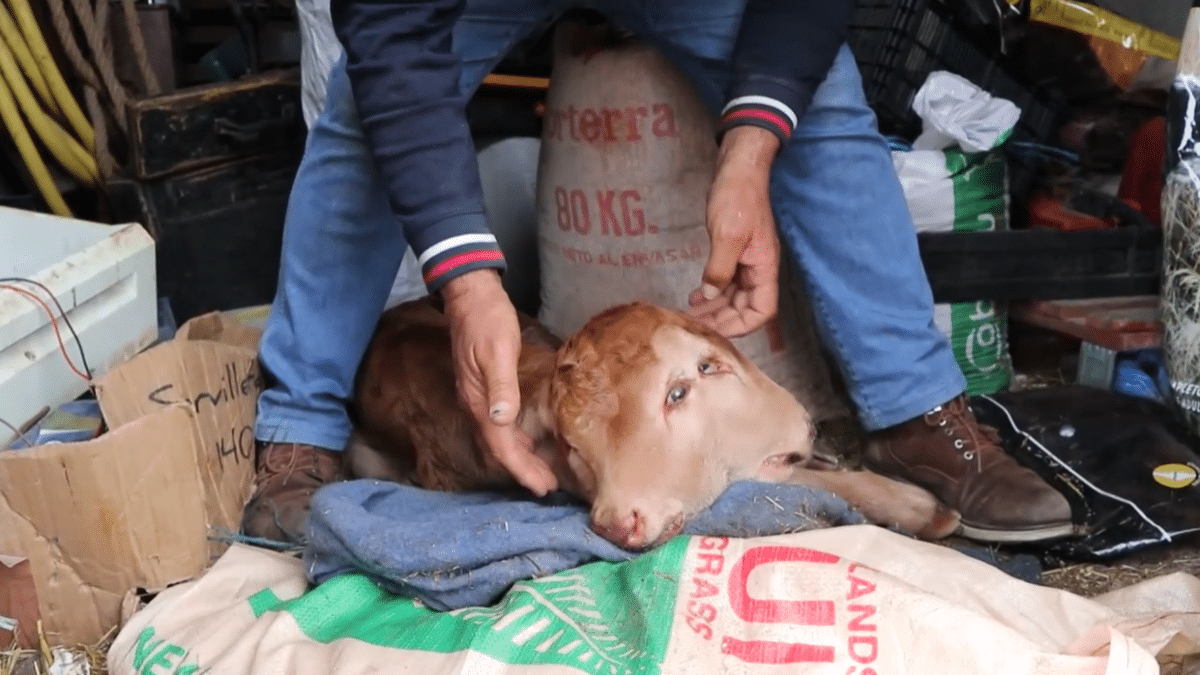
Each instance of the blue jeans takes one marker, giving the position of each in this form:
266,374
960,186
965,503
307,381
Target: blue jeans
838,203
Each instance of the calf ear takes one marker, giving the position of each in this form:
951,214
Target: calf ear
581,392
580,469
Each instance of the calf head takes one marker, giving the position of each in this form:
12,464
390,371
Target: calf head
658,415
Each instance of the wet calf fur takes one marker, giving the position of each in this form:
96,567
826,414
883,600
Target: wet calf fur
644,413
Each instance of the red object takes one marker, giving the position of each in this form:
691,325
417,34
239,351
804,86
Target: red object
1046,211
1120,324
1142,179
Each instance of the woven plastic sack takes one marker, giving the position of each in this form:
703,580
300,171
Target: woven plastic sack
949,188
854,600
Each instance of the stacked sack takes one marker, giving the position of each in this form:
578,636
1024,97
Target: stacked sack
955,178
627,157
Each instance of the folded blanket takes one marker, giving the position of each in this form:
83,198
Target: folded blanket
453,550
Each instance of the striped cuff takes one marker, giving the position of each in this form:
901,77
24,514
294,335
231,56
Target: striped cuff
458,255
759,111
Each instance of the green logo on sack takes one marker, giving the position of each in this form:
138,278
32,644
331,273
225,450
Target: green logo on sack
980,191
601,617
979,338
156,656
978,330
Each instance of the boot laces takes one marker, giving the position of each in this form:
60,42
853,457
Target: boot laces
298,461
971,438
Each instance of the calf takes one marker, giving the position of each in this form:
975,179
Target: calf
645,413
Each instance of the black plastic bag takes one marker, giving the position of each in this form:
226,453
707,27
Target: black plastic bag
1129,467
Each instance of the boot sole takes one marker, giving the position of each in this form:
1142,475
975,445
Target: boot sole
1040,534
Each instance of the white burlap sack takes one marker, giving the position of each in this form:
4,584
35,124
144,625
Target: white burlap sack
319,50
855,600
628,154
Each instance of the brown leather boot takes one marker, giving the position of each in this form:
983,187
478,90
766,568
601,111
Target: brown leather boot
288,474
959,460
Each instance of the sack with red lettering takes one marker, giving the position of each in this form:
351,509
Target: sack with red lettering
852,600
627,158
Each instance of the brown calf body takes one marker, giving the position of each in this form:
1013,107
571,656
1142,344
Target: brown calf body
644,413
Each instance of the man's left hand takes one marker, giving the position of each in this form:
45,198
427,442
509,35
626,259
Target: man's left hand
740,288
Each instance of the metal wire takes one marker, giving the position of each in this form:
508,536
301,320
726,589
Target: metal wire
19,435
79,345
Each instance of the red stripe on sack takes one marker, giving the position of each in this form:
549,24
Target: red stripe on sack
460,260
763,115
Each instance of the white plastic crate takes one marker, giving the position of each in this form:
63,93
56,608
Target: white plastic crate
104,278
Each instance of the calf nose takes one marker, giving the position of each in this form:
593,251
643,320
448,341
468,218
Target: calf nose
638,528
627,530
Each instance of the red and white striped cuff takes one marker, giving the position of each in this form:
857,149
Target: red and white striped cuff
760,111
458,255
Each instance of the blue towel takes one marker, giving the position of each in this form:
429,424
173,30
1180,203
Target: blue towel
454,550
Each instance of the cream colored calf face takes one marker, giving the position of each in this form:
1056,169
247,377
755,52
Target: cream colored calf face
664,417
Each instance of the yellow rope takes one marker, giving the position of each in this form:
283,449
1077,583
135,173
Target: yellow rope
12,35
65,149
54,78
37,168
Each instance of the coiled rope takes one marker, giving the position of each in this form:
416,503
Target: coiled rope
36,102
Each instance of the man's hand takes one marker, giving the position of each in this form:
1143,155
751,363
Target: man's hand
486,342
740,288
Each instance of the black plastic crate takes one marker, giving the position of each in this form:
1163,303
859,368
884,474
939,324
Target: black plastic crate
898,43
1042,263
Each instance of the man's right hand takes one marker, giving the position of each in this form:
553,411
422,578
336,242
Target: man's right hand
486,341
740,285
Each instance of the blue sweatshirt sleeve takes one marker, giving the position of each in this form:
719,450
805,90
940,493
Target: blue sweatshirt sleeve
405,82
784,50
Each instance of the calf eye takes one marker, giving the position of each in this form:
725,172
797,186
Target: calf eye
676,394
706,367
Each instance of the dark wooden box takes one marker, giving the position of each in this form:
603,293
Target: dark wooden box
212,124
218,230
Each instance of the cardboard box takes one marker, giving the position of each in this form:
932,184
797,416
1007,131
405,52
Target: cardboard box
84,524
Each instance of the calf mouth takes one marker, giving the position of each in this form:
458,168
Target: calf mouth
670,529
823,461
817,460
